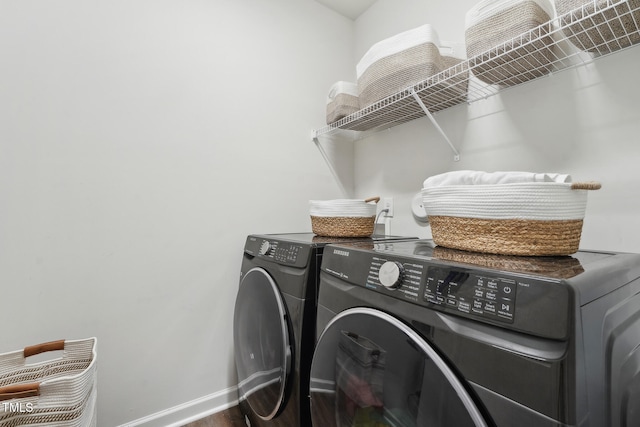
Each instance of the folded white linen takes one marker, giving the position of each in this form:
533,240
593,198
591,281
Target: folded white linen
470,177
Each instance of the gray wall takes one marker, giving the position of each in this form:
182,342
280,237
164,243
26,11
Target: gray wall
140,142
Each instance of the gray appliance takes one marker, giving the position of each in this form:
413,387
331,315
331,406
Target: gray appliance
411,334
274,324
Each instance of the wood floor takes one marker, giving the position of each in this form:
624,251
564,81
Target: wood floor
232,417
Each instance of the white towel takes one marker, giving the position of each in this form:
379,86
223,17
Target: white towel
470,177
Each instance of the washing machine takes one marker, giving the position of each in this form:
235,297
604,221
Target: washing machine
274,324
411,334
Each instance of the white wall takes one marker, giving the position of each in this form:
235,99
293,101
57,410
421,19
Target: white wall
583,121
140,142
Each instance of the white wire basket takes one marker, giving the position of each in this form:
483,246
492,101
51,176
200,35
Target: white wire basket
57,392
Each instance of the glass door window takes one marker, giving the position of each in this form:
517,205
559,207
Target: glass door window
370,369
261,343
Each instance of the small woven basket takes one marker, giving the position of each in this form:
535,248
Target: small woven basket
611,29
490,222
342,101
524,44
60,392
349,224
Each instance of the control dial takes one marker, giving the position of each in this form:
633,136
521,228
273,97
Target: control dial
391,274
265,248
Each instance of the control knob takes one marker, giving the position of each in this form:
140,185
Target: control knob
265,248
391,274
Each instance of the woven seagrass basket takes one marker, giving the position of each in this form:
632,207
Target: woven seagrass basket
508,45
343,218
596,26
551,225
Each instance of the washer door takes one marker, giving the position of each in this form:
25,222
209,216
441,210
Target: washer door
369,368
261,344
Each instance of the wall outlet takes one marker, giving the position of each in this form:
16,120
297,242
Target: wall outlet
387,203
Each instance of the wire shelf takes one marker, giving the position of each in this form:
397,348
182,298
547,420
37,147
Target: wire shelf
596,29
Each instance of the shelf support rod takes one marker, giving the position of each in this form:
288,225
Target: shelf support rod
456,154
327,160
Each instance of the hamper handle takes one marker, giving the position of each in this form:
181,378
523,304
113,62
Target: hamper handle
19,391
588,185
32,350
372,199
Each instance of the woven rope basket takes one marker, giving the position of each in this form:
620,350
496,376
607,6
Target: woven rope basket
603,32
338,224
59,392
512,236
398,71
521,58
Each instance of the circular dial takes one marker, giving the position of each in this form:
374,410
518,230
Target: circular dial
391,274
265,248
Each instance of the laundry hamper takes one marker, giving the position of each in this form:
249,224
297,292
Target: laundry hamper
57,392
343,217
507,43
600,26
397,63
509,213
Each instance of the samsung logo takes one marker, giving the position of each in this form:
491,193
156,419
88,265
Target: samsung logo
340,252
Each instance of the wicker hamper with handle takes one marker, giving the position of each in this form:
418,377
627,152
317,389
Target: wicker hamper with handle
509,216
343,217
600,26
514,28
58,392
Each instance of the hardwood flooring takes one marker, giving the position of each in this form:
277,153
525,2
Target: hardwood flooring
232,417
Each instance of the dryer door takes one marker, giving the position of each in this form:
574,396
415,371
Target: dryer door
261,343
369,368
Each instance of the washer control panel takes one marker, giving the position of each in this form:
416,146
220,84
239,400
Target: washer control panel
534,304
452,290
482,295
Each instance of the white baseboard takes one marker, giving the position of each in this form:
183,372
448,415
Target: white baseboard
189,411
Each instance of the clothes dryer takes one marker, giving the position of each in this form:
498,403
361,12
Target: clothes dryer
274,324
416,335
